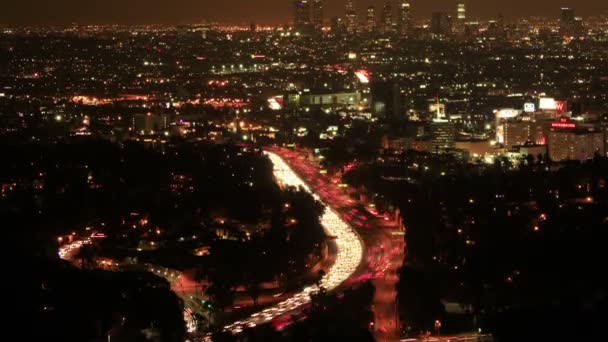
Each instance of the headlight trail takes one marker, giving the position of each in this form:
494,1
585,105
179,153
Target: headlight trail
348,257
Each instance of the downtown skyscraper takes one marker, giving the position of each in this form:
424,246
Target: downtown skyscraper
405,17
461,16
317,14
301,19
351,16
387,17
370,19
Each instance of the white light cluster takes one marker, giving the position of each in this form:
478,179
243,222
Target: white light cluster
66,251
349,255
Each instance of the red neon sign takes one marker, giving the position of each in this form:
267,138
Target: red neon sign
563,123
561,106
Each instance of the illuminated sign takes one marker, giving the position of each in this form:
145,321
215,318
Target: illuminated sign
547,103
529,107
563,123
507,113
561,106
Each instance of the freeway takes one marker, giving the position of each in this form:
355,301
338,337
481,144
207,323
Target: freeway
349,255
381,232
371,237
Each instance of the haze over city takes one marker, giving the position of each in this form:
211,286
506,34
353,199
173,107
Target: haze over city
61,12
305,170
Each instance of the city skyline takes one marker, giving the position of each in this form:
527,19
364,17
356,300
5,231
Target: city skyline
270,12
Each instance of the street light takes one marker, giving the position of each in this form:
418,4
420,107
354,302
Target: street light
437,326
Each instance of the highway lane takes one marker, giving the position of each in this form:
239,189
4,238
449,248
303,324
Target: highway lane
381,232
349,255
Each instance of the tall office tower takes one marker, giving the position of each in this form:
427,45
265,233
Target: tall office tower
568,23
441,24
317,14
461,16
370,23
301,14
443,133
405,19
387,17
337,26
351,16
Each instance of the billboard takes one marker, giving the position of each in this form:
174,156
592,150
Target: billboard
507,113
561,106
548,103
529,107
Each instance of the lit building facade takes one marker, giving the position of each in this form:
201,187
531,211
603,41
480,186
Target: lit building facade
351,16
568,141
405,19
301,14
387,17
443,133
516,133
441,24
461,16
317,14
370,19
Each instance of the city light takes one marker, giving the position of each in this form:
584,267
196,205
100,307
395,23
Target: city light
349,254
363,76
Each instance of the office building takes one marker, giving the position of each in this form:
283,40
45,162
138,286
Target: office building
404,16
324,100
443,135
571,141
370,22
516,133
569,24
337,26
317,14
387,18
441,24
461,16
443,131
301,15
351,16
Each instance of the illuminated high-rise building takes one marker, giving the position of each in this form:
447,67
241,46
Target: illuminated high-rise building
567,15
570,141
461,16
441,24
443,133
569,24
387,17
317,14
351,16
405,19
461,11
301,14
370,19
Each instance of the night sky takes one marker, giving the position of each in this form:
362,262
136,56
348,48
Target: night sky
44,12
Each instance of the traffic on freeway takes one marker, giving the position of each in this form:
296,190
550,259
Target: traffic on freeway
348,257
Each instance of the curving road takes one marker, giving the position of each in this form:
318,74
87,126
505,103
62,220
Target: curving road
348,257
349,254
